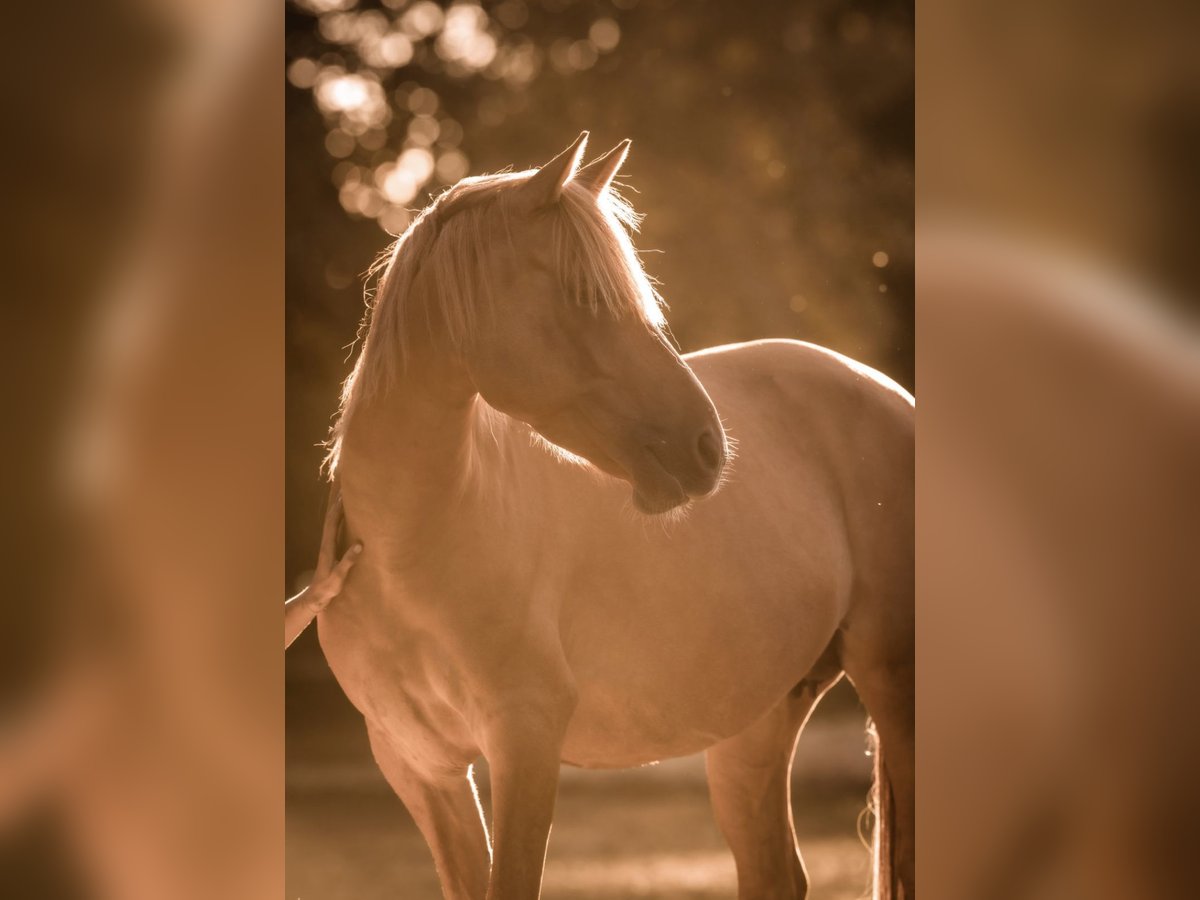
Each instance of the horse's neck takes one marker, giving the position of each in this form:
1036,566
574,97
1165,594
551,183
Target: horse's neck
425,458
413,435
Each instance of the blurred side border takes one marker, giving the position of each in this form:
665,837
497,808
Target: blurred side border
1058,439
1057,447
141,729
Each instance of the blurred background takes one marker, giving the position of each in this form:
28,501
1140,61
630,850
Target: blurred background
140,732
773,160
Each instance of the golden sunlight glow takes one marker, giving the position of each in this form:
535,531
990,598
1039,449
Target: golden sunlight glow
605,34
326,6
462,41
647,876
451,166
392,50
422,19
401,180
358,101
302,73
519,64
423,130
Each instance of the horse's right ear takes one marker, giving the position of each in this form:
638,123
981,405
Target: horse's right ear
597,175
547,184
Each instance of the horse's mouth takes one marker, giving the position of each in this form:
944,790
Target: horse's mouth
654,504
656,490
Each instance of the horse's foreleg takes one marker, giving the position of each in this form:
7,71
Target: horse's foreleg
446,810
523,746
748,781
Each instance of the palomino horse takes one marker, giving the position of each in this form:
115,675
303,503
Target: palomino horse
510,601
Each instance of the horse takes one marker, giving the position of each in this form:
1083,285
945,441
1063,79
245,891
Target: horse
565,559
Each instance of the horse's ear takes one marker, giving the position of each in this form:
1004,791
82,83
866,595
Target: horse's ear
597,175
547,184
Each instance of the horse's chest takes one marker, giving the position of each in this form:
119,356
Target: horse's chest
419,720
396,677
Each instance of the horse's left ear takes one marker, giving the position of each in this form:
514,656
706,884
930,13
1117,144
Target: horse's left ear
597,175
547,184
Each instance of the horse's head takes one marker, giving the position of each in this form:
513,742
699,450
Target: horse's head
575,346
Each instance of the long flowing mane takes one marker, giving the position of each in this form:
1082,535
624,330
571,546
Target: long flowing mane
448,244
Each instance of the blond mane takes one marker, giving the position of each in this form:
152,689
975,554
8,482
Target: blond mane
447,242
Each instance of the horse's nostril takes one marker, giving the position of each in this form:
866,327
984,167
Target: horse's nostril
709,450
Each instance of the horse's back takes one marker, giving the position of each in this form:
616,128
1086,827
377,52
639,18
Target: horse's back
815,391
790,364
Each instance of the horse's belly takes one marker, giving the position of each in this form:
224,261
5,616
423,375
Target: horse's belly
652,698
610,732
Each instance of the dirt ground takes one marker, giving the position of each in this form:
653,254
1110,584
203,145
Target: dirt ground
645,833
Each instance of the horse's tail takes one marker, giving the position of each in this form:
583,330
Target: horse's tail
885,886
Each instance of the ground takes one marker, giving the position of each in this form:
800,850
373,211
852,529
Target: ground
644,833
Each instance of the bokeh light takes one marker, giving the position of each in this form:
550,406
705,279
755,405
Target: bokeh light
373,72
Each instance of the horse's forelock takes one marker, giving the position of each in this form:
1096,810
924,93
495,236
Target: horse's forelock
596,258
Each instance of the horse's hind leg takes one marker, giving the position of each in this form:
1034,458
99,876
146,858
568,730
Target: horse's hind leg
749,781
883,675
446,810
